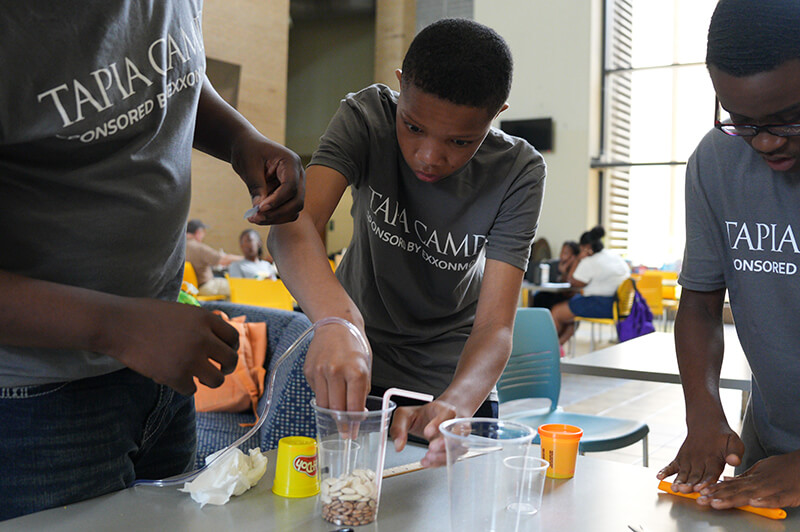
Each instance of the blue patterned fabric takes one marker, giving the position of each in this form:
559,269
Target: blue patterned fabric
291,413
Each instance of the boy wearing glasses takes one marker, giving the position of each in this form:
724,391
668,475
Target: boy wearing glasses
743,235
444,209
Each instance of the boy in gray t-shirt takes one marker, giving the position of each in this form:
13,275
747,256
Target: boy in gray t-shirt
742,230
445,208
100,106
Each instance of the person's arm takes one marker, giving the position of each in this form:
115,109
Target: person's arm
571,272
710,443
273,174
227,258
567,266
168,342
482,362
336,367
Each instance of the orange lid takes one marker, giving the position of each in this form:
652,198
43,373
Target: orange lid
560,431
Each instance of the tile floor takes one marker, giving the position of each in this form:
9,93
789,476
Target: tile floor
659,405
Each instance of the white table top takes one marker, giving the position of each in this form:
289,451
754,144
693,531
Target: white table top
547,287
652,358
603,496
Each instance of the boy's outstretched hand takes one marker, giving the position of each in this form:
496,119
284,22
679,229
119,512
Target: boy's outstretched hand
274,176
338,370
423,421
702,457
770,483
171,343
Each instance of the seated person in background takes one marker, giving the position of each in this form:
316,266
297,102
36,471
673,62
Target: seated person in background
252,266
598,273
203,257
445,209
567,261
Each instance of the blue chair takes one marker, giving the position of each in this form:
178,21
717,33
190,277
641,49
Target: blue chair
291,413
534,371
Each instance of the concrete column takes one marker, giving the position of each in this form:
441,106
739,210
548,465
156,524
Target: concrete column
395,27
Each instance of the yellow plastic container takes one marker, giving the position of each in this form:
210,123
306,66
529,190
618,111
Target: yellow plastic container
560,448
296,468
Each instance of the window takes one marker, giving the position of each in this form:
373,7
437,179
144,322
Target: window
657,106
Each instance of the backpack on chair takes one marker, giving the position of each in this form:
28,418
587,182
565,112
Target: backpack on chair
639,321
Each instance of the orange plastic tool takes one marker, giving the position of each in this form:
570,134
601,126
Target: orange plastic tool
772,513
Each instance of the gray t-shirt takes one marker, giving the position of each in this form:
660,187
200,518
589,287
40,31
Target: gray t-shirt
743,234
96,127
415,264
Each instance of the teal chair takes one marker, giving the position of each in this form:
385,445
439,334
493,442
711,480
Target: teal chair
534,371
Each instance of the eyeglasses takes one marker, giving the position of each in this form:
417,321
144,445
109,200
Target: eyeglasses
751,130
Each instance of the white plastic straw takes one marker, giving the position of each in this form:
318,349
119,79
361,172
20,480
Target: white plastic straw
387,395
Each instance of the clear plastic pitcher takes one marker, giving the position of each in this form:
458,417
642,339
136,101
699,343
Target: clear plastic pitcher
478,480
350,448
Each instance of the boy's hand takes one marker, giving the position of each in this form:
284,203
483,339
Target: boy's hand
770,483
171,343
423,421
274,176
338,370
702,458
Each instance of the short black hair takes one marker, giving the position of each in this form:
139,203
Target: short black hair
460,61
193,225
594,238
573,246
748,37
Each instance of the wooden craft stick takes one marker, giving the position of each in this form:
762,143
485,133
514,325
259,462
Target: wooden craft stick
401,469
772,513
416,466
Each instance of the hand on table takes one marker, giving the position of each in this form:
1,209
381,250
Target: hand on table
338,370
423,421
702,458
274,176
171,343
770,483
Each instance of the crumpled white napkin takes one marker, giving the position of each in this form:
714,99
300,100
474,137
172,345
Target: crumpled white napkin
233,474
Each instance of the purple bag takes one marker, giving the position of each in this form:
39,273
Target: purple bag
640,320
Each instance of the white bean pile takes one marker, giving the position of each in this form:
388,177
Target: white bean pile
350,499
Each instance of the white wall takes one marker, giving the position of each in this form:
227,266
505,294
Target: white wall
556,47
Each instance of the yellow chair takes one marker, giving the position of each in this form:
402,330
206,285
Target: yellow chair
621,309
262,293
671,294
190,277
650,286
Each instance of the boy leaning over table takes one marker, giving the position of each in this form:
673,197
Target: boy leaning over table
445,208
742,230
101,102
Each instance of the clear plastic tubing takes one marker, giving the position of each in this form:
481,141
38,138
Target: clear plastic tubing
262,415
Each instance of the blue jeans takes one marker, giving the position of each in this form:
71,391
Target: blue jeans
65,442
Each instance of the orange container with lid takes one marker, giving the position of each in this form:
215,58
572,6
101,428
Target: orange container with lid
560,448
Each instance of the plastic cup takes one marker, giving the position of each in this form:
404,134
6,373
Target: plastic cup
351,448
296,468
479,482
560,448
524,490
